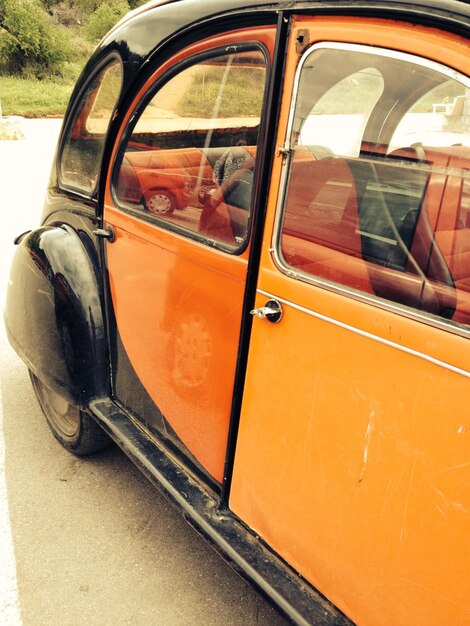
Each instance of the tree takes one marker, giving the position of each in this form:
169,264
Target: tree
29,43
104,18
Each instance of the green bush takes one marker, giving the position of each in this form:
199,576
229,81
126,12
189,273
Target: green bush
48,4
104,18
87,7
30,45
65,14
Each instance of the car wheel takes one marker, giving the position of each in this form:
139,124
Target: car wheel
73,428
160,202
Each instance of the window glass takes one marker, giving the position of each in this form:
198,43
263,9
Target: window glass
189,160
84,144
338,118
386,211
436,118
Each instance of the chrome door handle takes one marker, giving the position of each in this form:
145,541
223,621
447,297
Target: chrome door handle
272,311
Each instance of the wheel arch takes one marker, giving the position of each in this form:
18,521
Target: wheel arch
54,314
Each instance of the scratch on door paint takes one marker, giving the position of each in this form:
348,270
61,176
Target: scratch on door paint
368,438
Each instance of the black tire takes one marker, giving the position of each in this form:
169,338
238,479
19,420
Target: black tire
73,428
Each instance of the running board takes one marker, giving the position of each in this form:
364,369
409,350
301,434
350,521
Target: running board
244,551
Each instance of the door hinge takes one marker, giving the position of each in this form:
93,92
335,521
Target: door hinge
303,40
284,151
105,233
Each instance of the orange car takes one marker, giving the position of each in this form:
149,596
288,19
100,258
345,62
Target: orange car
286,354
155,180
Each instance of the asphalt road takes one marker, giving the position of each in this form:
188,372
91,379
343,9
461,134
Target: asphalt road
89,541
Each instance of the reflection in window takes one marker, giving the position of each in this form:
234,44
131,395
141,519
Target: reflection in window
338,118
392,220
190,158
84,144
436,118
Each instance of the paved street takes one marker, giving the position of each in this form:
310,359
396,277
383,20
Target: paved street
89,541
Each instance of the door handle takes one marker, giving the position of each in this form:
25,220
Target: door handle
271,311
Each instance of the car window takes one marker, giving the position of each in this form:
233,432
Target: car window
83,146
437,118
338,118
188,162
383,211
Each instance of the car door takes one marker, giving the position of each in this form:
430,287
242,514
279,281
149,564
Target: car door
353,456
180,205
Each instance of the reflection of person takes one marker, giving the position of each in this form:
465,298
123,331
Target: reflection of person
228,169
232,159
226,206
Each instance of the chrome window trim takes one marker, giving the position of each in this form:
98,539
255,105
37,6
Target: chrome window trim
367,335
275,250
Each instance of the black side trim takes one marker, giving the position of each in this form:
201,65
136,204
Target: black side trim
267,144
295,598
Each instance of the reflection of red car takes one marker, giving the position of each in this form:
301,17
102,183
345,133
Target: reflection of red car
165,180
155,178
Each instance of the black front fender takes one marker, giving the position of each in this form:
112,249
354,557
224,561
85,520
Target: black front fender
53,313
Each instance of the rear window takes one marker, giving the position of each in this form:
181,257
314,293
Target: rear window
83,146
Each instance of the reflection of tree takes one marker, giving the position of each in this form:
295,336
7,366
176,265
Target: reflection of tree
109,88
242,94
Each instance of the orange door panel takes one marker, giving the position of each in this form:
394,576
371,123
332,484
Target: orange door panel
353,457
178,308
177,279
353,462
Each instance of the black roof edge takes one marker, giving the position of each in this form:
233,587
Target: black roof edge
453,14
